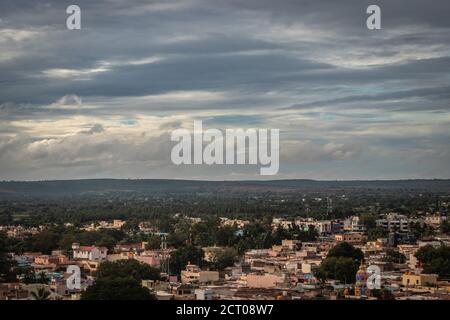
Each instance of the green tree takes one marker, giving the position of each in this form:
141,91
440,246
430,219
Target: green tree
346,250
226,236
110,288
435,260
445,227
46,241
382,294
420,230
205,233
338,268
127,268
42,278
281,234
342,263
182,256
394,256
258,235
153,242
131,225
368,221
5,263
376,233
67,240
28,276
224,258
181,234
106,241
6,218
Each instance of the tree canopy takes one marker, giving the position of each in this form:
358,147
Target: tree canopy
121,280
127,268
338,268
110,288
435,260
445,227
182,256
5,263
345,250
394,256
342,263
224,258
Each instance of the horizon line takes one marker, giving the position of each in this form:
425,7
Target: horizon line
242,180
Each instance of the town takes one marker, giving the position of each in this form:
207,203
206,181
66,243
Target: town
226,257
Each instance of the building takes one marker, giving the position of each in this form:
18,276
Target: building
353,224
204,294
310,267
130,247
290,244
322,227
264,280
119,256
91,253
394,223
13,291
46,260
409,250
361,281
153,259
234,222
435,220
210,253
193,274
117,224
419,280
353,237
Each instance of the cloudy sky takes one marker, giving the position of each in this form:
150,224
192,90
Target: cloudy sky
350,103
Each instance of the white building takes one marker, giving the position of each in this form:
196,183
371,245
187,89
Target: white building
204,294
394,222
91,253
353,224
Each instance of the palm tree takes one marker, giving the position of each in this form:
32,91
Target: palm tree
42,278
41,294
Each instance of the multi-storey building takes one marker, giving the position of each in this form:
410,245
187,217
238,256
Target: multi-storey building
394,222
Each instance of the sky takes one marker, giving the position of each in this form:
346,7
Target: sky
101,102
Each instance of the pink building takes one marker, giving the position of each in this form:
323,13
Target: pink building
46,260
152,260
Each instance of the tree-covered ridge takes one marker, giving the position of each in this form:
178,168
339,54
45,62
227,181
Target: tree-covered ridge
71,188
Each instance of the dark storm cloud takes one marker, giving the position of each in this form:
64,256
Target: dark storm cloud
440,94
346,14
340,93
213,59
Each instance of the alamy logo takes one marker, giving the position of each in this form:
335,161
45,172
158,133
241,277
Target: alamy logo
373,22
237,146
374,279
73,282
73,22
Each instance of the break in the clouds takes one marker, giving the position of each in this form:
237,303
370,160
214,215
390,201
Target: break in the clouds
350,103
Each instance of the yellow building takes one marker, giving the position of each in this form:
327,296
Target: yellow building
417,280
353,237
193,274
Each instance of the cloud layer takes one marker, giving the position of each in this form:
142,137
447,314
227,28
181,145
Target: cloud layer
350,103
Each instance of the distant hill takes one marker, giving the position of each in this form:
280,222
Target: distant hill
101,187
